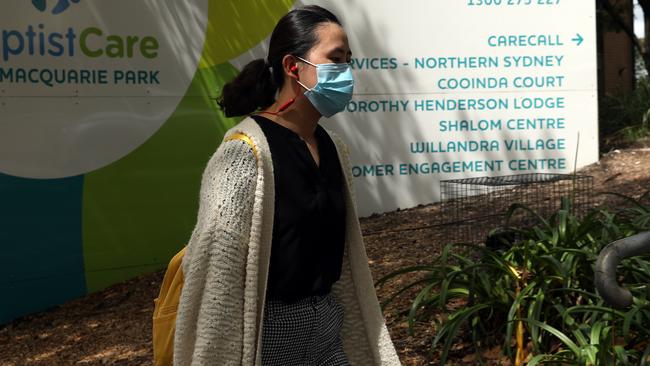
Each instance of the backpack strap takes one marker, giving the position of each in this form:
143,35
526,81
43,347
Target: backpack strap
242,136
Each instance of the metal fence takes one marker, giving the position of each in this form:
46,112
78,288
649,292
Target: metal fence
471,207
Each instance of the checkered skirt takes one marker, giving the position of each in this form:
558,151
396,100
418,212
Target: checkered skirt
303,333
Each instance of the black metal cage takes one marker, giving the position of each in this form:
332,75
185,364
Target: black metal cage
471,207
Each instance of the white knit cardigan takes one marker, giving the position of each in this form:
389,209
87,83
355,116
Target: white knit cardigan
227,258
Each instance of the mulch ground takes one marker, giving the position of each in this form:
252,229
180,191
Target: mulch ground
113,326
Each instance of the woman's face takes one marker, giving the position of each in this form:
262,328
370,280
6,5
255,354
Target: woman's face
332,47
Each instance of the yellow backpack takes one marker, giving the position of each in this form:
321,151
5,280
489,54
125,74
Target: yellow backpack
166,304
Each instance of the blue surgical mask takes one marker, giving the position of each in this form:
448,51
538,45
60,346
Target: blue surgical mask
333,90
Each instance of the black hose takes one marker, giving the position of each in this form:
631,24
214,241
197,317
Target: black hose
608,259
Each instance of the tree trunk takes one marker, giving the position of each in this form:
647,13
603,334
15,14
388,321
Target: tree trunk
629,29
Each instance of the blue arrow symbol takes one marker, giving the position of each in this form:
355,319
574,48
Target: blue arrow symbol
39,4
578,39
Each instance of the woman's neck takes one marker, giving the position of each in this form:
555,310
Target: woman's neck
301,117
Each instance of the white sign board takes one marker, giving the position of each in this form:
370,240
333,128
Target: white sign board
465,88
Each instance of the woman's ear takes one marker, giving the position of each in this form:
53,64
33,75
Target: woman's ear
289,66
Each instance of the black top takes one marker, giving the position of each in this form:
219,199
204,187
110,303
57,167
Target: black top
309,221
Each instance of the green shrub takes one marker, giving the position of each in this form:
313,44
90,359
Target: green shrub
539,292
625,117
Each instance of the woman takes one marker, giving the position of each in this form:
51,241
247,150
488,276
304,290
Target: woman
276,271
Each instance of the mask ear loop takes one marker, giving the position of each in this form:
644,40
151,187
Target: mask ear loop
298,81
286,105
303,60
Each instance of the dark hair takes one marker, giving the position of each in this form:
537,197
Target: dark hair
256,85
